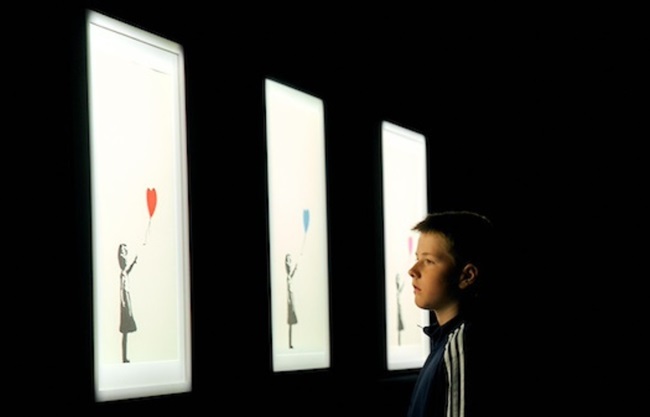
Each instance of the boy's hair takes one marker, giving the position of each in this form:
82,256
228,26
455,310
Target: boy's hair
471,239
469,234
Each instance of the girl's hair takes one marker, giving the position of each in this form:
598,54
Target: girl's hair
121,259
288,264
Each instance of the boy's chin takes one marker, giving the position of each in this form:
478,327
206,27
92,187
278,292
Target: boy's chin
420,303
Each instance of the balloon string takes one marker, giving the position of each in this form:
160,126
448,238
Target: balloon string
302,248
146,234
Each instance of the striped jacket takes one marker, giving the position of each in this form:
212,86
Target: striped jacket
446,384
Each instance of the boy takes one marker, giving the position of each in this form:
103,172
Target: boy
452,258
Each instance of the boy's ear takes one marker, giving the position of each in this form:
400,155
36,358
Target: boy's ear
468,276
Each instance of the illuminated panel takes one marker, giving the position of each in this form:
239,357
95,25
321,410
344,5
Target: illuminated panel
405,204
139,199
295,134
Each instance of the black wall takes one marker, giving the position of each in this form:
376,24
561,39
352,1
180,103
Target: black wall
511,112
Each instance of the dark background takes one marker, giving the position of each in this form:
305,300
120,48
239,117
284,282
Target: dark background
527,120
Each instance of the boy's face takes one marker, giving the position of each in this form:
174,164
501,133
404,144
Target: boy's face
434,284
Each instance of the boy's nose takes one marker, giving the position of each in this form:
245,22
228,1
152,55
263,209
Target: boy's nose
413,272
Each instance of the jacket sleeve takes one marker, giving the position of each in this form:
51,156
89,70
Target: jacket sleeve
467,373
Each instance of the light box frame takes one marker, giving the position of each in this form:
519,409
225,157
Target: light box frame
404,203
298,225
139,196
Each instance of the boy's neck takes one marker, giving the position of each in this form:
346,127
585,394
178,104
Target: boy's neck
446,313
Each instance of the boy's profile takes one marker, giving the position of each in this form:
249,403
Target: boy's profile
452,263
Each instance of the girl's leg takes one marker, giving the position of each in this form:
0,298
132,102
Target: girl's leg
124,359
290,344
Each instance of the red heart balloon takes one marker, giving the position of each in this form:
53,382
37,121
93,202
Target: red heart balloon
152,199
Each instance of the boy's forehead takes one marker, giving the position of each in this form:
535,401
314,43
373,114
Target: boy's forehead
432,242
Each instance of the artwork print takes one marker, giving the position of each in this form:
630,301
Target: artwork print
297,229
139,214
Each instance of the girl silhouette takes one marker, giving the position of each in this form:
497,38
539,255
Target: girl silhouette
400,322
292,318
127,322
